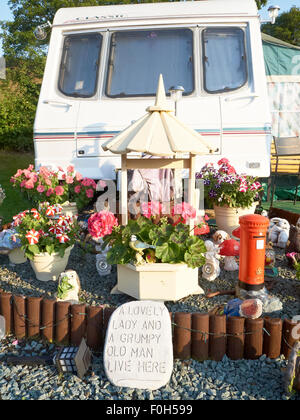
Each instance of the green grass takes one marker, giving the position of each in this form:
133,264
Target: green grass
283,204
10,162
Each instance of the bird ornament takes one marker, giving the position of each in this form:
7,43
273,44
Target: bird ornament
139,247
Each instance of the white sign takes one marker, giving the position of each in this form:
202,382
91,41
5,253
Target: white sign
138,350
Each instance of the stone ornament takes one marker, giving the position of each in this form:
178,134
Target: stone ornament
138,350
68,287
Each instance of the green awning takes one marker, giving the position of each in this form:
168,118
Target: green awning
281,58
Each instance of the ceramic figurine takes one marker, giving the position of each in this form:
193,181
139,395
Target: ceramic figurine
220,236
278,232
211,268
139,247
230,248
68,287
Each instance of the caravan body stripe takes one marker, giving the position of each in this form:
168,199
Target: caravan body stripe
108,134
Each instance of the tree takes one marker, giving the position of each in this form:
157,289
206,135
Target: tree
261,3
286,27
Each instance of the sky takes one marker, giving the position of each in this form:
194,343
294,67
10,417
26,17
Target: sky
285,5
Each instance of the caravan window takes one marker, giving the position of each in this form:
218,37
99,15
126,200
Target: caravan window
224,59
79,65
138,57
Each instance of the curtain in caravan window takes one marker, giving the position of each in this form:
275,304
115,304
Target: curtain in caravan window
79,65
138,57
224,59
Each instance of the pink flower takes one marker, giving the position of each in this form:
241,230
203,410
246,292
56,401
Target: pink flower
69,179
152,208
30,167
40,188
77,189
44,172
223,161
78,176
29,185
88,182
101,224
49,192
59,190
27,173
18,173
23,183
89,193
60,169
33,177
185,210
70,169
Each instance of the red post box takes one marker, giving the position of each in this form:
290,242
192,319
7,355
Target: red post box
252,251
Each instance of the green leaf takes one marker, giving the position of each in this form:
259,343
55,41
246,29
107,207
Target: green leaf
50,249
168,252
34,249
194,260
117,253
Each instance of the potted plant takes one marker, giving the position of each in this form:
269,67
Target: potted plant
68,188
156,259
232,195
46,239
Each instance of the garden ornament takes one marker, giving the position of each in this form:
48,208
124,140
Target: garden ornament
249,308
74,359
211,268
278,232
220,236
68,287
139,247
230,249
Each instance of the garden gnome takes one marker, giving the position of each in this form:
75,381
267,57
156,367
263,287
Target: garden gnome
230,249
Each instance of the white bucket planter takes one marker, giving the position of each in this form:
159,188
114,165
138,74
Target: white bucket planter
69,209
48,267
158,281
17,256
227,218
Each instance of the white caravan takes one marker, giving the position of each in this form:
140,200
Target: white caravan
102,72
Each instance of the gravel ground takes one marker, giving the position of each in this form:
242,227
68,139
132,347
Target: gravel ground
191,380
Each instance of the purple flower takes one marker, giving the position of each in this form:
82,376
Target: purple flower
212,193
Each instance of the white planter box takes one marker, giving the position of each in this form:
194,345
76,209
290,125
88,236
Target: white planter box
158,281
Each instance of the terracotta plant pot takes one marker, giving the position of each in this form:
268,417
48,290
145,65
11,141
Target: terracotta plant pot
48,267
227,218
17,256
